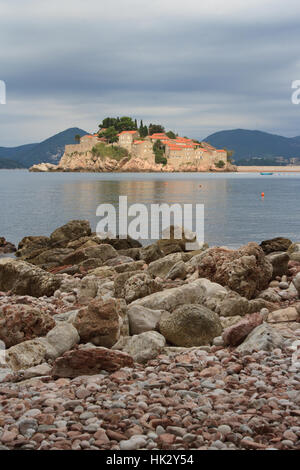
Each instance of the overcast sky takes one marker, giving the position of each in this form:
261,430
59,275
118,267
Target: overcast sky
195,67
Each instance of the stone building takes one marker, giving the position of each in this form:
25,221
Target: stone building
126,139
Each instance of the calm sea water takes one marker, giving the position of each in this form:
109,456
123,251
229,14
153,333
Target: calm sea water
235,213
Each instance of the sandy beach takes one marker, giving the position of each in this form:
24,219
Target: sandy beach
258,169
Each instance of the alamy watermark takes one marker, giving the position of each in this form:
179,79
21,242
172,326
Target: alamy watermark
152,222
2,92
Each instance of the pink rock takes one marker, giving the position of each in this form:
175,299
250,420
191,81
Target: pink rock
90,362
235,334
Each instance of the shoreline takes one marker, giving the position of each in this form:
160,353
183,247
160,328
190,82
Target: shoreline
269,169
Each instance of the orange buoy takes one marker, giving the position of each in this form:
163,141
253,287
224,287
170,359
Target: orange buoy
262,194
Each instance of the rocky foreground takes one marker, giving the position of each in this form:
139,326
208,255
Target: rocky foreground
110,345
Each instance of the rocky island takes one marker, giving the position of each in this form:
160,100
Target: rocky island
123,147
107,344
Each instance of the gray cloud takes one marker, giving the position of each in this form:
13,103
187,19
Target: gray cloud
196,68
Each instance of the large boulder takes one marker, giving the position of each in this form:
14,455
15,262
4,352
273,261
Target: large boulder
200,291
51,257
90,362
71,231
142,319
162,266
279,261
37,351
294,251
246,270
101,252
23,278
29,247
289,314
140,285
262,338
151,253
145,346
101,322
6,247
190,325
63,337
20,323
235,334
27,354
275,244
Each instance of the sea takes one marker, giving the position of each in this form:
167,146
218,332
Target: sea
234,210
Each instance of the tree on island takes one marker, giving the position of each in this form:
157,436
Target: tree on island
159,149
110,134
220,164
77,138
171,135
124,123
156,129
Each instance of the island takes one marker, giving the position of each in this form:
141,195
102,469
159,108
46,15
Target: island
121,146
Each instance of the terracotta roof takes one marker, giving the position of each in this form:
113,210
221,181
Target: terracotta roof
127,132
138,141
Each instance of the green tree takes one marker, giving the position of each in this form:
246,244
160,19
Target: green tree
156,128
159,150
220,164
110,134
171,135
77,138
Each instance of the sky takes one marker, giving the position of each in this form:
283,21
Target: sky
195,67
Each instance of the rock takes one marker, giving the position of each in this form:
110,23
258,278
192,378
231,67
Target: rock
279,261
63,337
262,338
145,346
27,354
100,323
127,243
138,286
37,371
43,167
51,257
100,252
6,247
162,266
201,291
150,253
246,270
142,319
120,281
270,295
178,271
133,253
103,272
119,260
296,282
276,244
134,443
29,247
23,278
235,334
19,323
294,251
284,315
131,266
90,362
190,325
71,231
227,322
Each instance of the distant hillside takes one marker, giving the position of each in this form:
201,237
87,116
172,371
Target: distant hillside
7,164
48,151
248,144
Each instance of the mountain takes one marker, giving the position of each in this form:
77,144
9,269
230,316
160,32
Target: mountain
6,164
48,151
248,144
